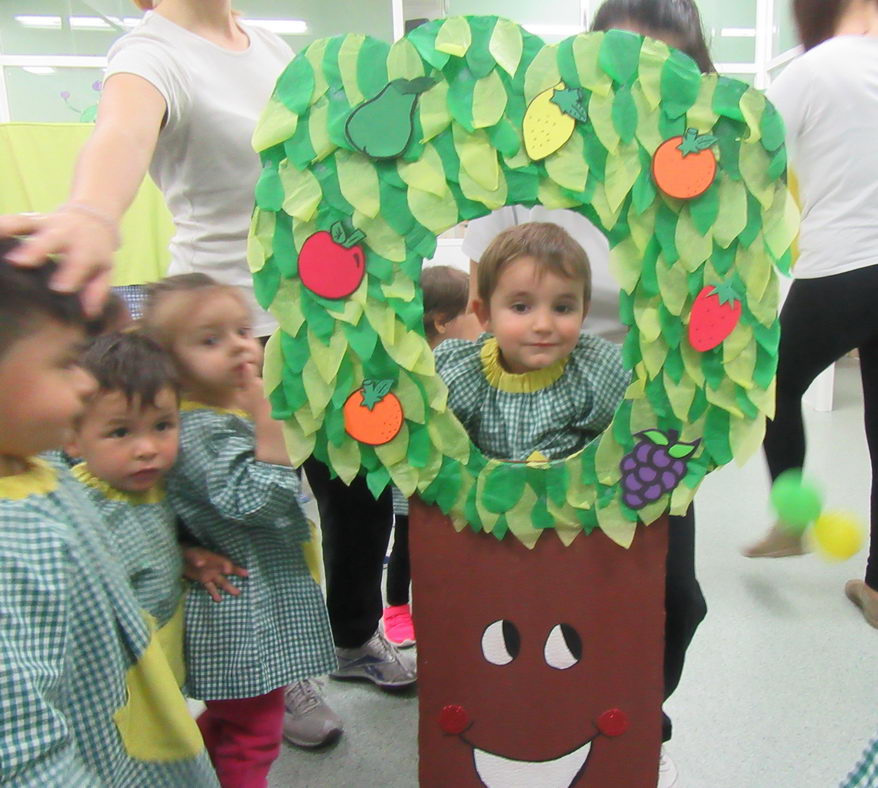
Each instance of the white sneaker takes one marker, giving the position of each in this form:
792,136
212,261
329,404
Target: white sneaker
667,775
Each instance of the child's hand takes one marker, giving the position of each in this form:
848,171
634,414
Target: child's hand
211,570
251,396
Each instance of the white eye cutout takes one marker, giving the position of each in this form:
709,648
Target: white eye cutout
501,642
563,647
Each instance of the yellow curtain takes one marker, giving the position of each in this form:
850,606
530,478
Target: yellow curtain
36,168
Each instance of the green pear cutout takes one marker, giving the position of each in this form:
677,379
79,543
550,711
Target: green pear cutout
382,127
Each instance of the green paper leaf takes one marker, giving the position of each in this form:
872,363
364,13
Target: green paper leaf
372,66
624,114
506,45
541,74
567,166
423,38
362,338
454,37
295,86
620,55
727,98
503,487
276,124
403,61
377,480
348,54
302,192
488,101
704,209
680,84
269,189
479,59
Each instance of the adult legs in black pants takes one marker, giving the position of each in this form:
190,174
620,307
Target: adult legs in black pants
356,530
685,607
822,320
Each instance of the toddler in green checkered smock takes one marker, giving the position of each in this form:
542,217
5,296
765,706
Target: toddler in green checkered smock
234,489
87,697
534,386
446,297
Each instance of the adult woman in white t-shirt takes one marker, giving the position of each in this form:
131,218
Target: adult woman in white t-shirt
182,94
829,101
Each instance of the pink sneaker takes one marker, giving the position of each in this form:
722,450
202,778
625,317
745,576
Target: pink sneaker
398,626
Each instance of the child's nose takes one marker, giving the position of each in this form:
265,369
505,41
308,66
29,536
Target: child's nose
145,447
542,320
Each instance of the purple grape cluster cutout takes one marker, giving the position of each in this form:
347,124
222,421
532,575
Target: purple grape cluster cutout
654,467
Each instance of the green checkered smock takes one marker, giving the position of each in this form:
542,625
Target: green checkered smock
70,628
144,530
865,774
277,630
554,411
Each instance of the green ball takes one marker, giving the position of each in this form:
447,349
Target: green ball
797,502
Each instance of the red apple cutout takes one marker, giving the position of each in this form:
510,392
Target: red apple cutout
332,264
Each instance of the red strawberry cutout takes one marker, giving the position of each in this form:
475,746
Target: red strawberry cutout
332,264
714,315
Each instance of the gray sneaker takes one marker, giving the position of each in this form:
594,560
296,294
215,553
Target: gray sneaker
376,661
308,720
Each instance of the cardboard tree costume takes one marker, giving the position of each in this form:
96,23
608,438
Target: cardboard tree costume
539,658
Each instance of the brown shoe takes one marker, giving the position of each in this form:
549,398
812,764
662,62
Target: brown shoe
777,543
864,598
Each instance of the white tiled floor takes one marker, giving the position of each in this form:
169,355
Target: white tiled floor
779,689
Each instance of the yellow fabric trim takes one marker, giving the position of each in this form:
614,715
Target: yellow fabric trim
37,161
171,640
313,553
84,475
524,383
155,724
39,479
189,405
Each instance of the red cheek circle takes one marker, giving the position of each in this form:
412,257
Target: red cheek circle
453,719
613,722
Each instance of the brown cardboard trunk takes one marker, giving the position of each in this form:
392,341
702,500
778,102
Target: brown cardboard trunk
526,710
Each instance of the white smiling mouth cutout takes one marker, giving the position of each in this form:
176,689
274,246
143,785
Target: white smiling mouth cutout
495,771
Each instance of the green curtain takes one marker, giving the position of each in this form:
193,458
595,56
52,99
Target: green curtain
36,167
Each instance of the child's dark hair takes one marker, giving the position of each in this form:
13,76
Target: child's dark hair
655,17
547,243
131,363
26,299
446,295
113,317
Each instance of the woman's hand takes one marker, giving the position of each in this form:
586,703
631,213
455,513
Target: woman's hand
85,240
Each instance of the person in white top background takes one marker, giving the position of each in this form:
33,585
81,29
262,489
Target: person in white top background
182,94
829,101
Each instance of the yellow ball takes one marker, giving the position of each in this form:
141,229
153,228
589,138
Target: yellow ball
837,535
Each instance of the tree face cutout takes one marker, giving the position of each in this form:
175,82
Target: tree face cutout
370,151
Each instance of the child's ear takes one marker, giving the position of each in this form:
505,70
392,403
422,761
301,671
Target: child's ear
482,312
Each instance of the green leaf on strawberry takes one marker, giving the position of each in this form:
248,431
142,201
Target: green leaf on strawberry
570,102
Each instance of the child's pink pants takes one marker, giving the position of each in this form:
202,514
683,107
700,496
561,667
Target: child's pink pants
243,737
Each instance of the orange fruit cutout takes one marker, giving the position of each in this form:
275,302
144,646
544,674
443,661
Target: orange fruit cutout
372,414
684,167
